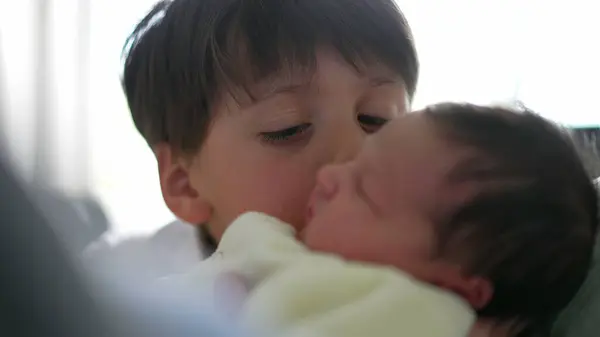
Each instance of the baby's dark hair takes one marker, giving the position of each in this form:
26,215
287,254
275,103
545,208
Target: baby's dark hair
185,53
530,228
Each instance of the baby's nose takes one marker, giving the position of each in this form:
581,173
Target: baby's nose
325,189
327,182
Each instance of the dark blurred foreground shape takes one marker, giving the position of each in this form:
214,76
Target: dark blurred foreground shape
43,292
78,221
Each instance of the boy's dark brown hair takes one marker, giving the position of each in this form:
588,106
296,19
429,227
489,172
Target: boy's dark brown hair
185,53
530,229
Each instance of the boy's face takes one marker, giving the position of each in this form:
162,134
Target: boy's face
264,155
381,207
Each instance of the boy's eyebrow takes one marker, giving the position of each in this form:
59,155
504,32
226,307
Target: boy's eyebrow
379,81
262,92
280,89
271,86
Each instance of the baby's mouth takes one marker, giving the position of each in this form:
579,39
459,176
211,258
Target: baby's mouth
309,216
310,212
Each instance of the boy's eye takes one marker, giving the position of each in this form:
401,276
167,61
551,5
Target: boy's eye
290,134
371,123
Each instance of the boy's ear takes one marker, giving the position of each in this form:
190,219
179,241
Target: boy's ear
182,198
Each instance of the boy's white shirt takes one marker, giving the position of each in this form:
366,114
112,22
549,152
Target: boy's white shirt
294,292
172,249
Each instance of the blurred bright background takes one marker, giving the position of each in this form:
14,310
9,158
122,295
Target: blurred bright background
66,121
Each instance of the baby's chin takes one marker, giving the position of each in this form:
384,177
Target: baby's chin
304,235
301,234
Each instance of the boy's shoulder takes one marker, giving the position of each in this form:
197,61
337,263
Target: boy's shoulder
172,249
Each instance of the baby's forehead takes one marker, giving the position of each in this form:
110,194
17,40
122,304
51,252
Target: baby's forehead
414,140
417,163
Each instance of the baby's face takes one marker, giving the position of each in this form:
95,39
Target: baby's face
381,207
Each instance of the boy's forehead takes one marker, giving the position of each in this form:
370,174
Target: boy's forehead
291,78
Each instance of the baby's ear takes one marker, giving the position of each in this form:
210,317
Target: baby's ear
182,198
476,290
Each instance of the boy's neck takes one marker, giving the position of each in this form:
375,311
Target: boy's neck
206,242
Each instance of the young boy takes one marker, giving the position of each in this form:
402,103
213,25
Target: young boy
454,211
234,96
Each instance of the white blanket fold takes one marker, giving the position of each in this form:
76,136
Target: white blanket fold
298,293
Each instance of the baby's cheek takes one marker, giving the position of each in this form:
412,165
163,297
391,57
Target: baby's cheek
324,233
312,235
347,229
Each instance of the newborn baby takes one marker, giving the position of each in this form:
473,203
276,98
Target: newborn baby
446,215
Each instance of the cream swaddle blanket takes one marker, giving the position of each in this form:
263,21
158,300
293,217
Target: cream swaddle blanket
296,292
